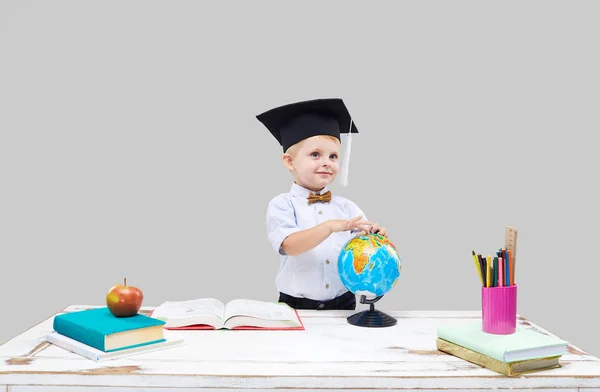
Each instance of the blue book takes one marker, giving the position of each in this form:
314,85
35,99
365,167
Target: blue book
100,329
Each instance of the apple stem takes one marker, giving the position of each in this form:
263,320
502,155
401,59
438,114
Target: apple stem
125,282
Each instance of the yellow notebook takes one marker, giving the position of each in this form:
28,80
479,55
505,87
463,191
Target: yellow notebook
509,369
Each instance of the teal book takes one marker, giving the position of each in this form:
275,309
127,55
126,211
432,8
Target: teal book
100,329
524,344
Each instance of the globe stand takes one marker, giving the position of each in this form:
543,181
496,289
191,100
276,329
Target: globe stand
371,318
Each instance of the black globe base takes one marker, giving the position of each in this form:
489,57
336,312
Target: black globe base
371,318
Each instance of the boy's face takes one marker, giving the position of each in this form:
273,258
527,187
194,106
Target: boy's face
315,164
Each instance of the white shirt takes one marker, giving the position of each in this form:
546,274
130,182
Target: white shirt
314,273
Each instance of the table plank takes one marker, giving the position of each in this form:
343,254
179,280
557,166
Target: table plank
88,388
330,354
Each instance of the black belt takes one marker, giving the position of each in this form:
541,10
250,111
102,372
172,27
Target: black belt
346,301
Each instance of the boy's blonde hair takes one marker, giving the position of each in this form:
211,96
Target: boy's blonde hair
293,149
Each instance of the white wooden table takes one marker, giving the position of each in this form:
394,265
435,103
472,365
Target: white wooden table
330,355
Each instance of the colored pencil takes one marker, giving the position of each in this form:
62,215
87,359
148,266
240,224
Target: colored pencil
507,269
512,267
489,267
495,280
482,263
479,268
500,272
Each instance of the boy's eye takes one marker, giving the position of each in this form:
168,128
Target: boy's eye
314,154
333,156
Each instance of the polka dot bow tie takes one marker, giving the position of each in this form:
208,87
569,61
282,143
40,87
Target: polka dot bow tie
326,197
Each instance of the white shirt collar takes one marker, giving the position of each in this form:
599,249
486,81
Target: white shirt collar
303,193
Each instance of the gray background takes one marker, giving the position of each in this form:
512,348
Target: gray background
129,146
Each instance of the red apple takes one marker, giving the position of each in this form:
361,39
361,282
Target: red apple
123,300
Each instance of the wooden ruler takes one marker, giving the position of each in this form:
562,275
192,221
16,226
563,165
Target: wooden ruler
510,240
510,243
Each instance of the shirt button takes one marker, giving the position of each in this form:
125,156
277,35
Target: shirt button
326,261
327,286
320,212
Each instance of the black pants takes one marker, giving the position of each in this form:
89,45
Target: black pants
346,301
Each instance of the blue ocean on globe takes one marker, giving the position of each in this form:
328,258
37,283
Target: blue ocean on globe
369,265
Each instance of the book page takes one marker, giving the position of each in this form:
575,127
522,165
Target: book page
196,311
259,309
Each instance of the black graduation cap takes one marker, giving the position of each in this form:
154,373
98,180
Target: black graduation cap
294,122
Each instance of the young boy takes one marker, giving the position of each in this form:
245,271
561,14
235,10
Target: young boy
308,225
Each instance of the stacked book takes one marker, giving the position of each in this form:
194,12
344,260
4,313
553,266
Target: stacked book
522,352
99,335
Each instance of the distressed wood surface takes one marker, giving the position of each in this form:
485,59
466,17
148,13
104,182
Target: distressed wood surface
329,355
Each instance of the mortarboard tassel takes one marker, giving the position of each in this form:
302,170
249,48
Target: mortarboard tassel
346,162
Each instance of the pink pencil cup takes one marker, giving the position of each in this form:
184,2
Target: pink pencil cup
499,309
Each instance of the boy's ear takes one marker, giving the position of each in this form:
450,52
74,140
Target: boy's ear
287,161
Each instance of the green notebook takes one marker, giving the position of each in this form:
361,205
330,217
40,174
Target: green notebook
522,345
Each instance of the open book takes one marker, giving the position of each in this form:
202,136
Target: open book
210,313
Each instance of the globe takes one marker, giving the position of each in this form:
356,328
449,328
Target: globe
370,266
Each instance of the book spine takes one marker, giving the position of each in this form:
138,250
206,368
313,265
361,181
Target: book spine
81,334
475,357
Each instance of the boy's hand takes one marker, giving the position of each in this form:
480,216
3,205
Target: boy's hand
378,229
336,225
374,228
